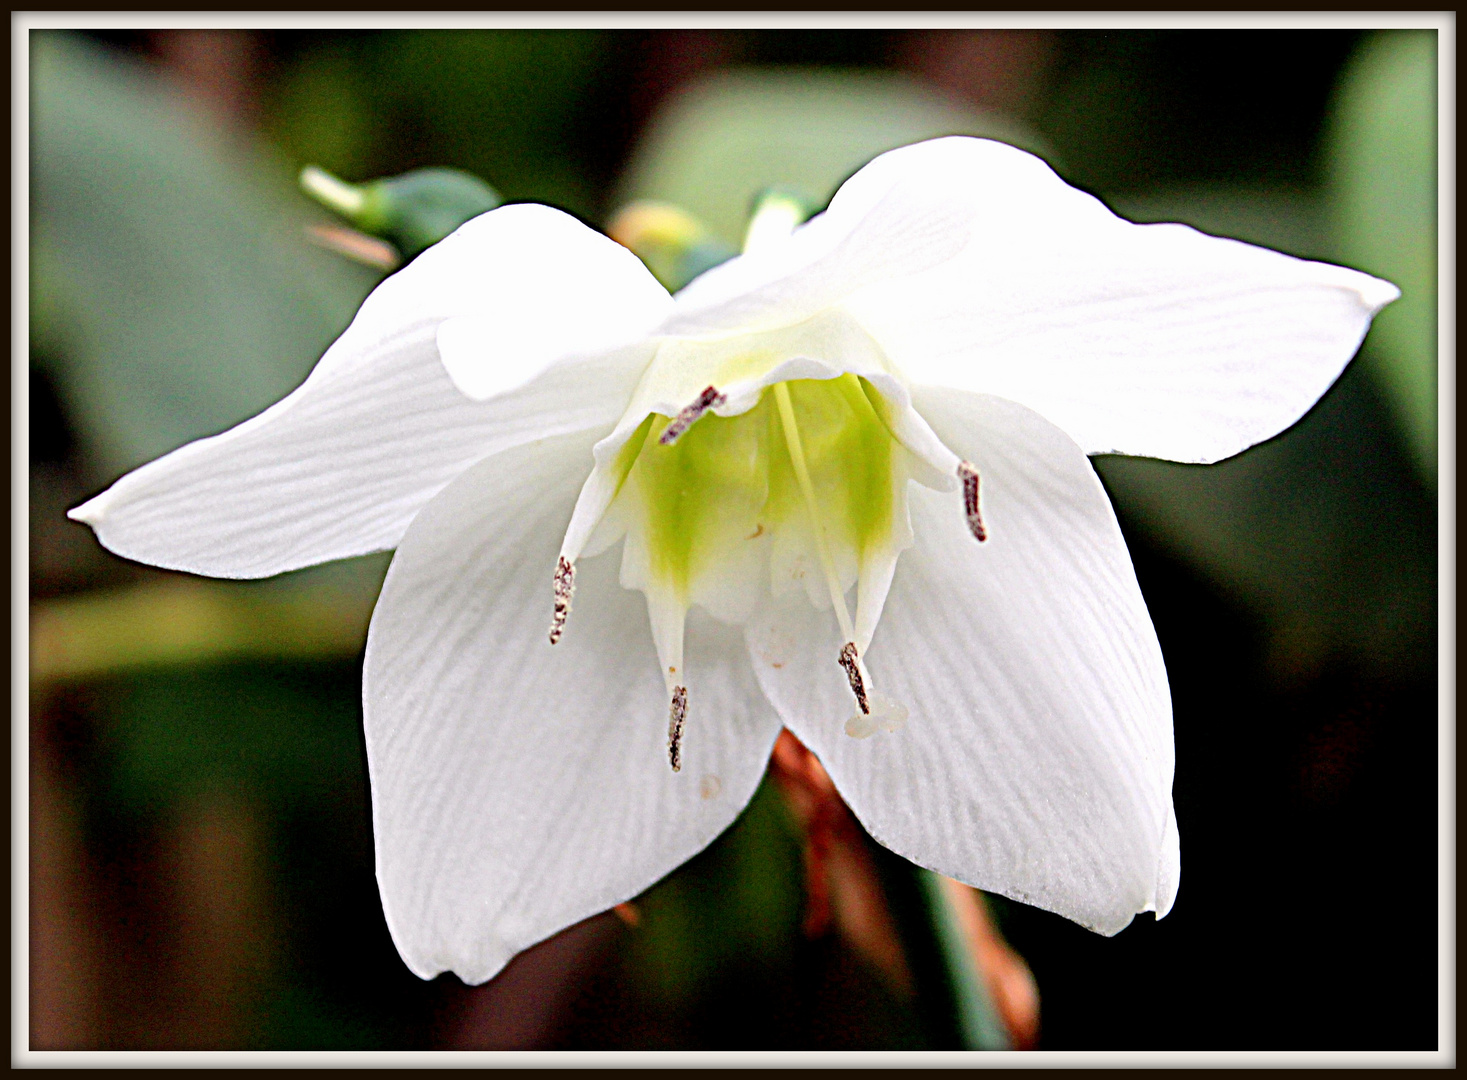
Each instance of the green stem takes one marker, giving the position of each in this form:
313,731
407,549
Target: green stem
951,1001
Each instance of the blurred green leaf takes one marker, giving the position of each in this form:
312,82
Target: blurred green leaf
173,292
730,137
190,620
320,109
502,104
1382,206
1287,219
734,907
286,732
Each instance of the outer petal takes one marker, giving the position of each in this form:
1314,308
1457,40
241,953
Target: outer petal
341,466
1140,339
1037,762
518,787
882,224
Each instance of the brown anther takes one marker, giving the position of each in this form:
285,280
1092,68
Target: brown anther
853,673
710,398
677,715
968,474
565,587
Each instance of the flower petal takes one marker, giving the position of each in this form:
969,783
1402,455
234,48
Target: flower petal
1037,761
528,269
1154,340
882,224
518,787
340,466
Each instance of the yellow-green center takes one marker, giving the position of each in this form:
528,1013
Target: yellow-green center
731,478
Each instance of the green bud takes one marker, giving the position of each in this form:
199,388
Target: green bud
778,211
414,211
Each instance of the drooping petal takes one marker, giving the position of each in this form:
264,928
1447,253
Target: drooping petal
1037,760
1169,873
518,787
1153,340
340,466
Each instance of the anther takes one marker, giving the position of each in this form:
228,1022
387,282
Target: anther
968,474
710,398
677,715
853,673
565,587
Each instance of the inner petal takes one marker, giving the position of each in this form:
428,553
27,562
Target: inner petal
721,511
739,367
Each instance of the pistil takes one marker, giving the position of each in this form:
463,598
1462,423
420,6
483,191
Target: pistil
849,658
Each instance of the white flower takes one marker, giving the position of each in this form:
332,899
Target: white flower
926,363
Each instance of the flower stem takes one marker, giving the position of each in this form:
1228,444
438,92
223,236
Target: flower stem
951,1001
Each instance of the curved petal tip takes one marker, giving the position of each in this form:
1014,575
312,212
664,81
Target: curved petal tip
92,511
1169,868
1377,293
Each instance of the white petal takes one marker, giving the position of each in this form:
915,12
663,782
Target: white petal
879,563
1154,340
882,224
546,286
1169,875
1037,761
518,787
340,466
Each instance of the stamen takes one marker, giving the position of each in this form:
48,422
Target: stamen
565,587
677,715
853,673
968,474
710,398
849,659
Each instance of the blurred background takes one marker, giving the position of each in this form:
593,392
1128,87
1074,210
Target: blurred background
201,870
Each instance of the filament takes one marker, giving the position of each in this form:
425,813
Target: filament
802,474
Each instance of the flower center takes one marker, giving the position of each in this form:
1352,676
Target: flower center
799,492
753,468
806,473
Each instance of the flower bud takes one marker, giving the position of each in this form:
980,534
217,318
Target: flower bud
674,244
777,212
414,211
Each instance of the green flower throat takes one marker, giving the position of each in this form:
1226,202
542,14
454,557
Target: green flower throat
729,478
